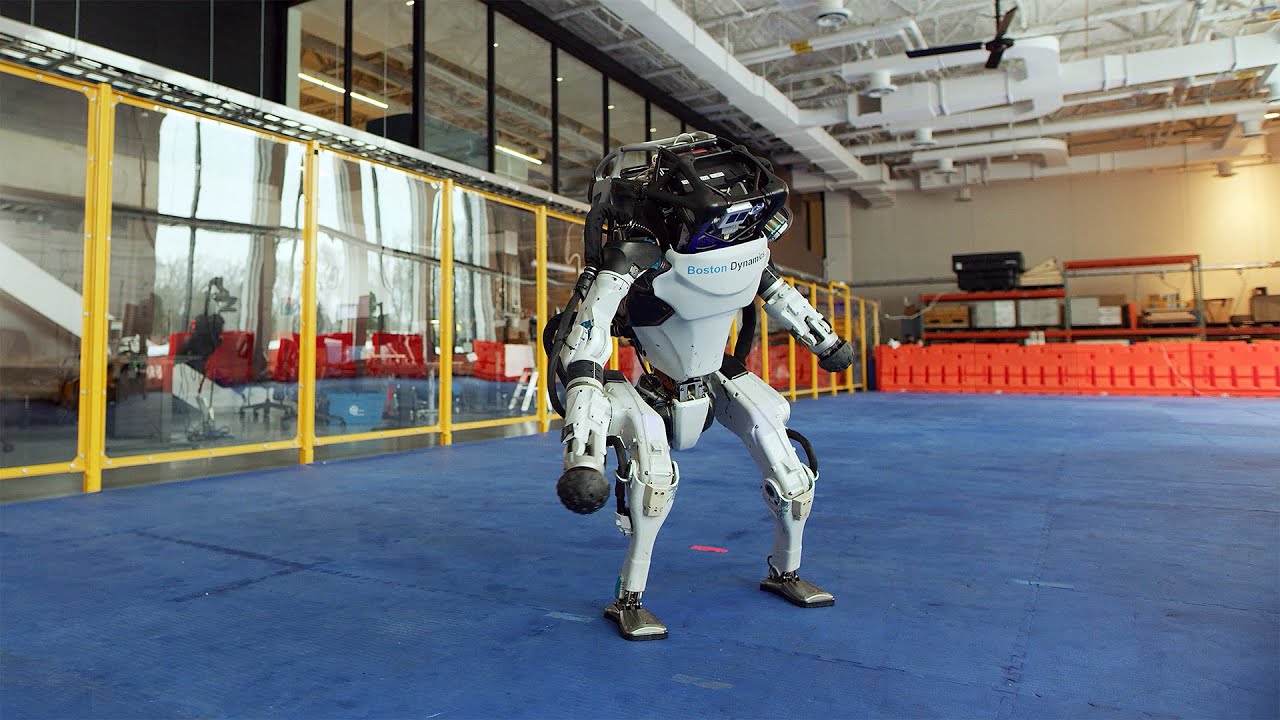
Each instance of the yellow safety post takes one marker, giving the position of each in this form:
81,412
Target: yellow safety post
862,312
92,424
540,358
446,315
875,307
849,332
307,320
764,343
791,357
813,357
849,337
831,313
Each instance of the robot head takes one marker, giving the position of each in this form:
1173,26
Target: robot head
697,193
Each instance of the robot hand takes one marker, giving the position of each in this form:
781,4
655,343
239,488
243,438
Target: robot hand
583,488
838,357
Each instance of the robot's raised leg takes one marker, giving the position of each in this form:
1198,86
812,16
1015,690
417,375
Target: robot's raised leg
648,483
756,413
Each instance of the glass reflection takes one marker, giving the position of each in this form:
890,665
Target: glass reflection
455,104
581,124
495,285
318,76
522,104
377,362
626,116
204,286
42,181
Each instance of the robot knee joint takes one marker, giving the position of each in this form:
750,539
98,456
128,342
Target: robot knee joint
796,503
658,489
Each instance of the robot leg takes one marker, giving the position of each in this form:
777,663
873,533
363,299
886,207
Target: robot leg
758,415
647,486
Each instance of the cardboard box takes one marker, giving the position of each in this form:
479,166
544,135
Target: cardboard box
994,314
1110,316
947,316
1218,310
1084,310
1039,313
1265,308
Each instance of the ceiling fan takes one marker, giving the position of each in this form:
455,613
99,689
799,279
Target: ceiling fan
995,47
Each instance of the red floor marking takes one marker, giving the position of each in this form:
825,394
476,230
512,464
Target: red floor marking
707,548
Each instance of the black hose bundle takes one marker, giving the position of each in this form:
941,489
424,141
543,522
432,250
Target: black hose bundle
746,334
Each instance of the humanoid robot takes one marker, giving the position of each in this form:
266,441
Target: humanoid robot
677,244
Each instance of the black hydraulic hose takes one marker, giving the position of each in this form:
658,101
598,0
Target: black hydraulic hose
746,334
562,331
808,449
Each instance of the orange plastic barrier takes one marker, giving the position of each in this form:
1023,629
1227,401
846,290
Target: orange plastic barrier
1203,368
397,355
230,364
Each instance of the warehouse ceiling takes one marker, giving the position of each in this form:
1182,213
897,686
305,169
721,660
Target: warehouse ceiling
1081,72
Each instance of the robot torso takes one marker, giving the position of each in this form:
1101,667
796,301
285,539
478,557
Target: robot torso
683,317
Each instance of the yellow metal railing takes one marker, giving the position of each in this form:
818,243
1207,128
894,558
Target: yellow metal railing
91,453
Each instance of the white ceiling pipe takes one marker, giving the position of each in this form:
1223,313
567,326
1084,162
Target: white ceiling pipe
905,29
1164,157
1155,66
681,38
1050,151
942,104
1082,125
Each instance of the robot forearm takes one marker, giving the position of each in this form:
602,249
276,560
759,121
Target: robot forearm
786,306
587,348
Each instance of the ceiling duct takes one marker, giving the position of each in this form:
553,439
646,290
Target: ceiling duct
1081,125
986,99
923,138
879,84
689,45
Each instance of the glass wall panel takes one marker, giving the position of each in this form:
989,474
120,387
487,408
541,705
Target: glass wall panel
42,180
581,124
320,57
564,262
204,286
494,292
662,124
455,123
382,68
626,116
377,362
522,104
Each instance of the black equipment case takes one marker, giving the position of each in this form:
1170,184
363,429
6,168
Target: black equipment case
987,271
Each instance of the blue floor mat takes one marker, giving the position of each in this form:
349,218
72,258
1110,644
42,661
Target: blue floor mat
992,556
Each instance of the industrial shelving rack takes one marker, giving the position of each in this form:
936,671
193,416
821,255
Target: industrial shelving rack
1091,268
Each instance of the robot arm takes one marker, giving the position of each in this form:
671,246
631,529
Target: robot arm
585,352
789,308
586,348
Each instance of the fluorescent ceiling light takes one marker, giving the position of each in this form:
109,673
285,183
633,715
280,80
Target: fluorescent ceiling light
1272,116
513,153
371,101
321,83
330,86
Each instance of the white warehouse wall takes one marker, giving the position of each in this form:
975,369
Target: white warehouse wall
1162,212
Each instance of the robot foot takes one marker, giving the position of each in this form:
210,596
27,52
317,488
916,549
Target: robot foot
634,621
798,592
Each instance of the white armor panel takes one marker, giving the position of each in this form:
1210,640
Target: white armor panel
706,290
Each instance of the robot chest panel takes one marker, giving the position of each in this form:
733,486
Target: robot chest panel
707,284
704,291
